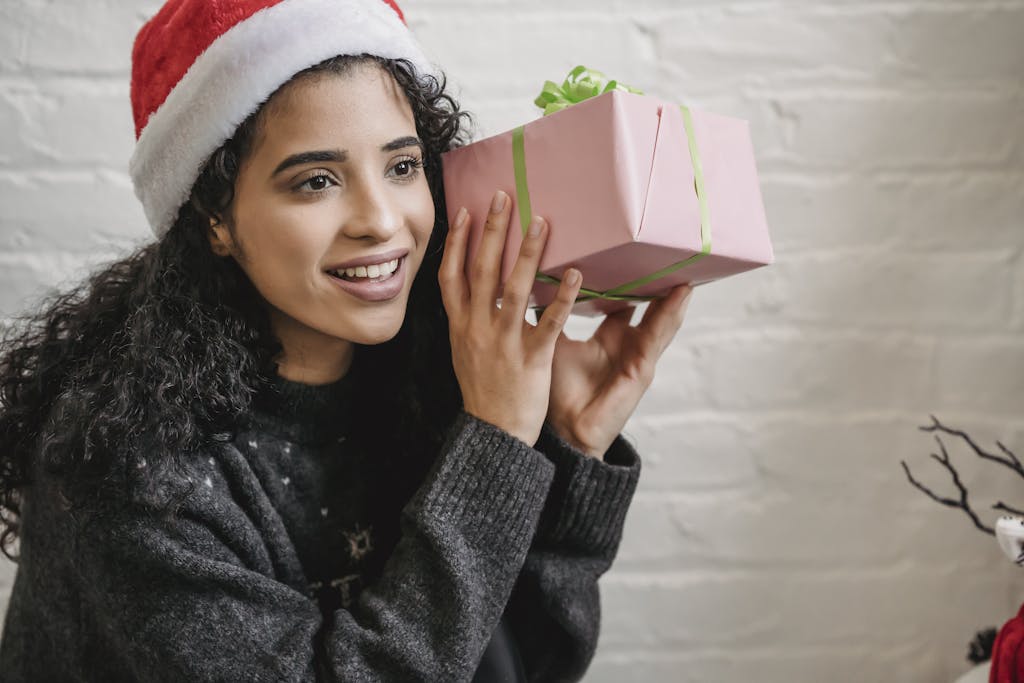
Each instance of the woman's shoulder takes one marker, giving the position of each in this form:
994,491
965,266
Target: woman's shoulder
204,502
142,481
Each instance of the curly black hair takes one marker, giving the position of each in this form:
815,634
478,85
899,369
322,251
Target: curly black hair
159,353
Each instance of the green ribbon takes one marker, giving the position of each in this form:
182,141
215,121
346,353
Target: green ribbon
582,84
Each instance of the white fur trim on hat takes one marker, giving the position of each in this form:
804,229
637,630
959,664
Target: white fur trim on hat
237,73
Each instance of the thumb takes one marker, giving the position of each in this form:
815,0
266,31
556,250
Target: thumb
615,323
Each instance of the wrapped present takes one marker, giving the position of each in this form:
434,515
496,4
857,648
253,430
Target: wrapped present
640,194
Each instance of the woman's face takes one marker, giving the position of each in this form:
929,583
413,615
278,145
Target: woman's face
334,179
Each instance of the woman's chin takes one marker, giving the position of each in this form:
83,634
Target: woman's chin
375,339
368,335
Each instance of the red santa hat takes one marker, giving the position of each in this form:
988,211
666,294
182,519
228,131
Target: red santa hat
201,67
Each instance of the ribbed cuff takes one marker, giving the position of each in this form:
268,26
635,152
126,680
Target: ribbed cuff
589,498
488,484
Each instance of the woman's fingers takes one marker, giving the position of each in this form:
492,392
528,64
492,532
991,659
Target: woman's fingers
486,267
516,294
557,312
663,318
450,273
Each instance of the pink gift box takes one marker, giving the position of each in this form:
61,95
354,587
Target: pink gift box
614,177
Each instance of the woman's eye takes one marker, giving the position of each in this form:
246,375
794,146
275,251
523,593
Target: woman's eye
407,168
317,183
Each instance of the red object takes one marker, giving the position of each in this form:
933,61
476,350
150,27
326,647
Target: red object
194,25
1008,653
201,67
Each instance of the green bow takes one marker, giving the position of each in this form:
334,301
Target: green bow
581,84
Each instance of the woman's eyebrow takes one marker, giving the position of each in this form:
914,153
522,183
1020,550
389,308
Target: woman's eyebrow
400,143
341,155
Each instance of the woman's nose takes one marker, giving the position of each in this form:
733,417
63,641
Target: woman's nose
373,212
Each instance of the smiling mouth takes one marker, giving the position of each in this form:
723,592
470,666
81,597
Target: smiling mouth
375,273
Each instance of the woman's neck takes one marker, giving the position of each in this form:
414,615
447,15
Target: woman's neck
310,358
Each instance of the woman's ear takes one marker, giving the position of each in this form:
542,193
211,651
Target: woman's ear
220,238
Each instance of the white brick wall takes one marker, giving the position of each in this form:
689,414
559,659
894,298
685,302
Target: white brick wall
773,536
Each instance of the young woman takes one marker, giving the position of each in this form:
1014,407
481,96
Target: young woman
291,440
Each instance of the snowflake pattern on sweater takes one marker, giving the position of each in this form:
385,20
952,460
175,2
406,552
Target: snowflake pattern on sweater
339,556
289,508
343,589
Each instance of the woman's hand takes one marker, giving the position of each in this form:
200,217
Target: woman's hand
501,361
597,384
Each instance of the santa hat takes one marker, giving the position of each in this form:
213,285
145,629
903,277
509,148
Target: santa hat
201,67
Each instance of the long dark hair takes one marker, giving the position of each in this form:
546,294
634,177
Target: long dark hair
159,353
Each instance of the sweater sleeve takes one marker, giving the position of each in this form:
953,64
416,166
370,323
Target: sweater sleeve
176,603
556,608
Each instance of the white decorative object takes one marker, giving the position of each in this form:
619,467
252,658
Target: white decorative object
1010,534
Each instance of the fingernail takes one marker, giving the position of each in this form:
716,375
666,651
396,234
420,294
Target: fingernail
573,276
535,226
499,202
460,217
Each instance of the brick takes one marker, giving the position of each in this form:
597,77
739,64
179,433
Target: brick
794,131
1018,296
726,49
898,290
965,290
837,484
810,458
12,36
67,36
743,301
929,42
490,51
22,282
27,278
882,130
698,453
712,50
415,15
492,116
953,211
7,571
980,375
788,369
794,609
96,211
68,121
918,661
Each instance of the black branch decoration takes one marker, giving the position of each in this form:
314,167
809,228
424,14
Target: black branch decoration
1006,459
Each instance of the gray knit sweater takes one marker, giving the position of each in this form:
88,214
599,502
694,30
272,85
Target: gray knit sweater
290,562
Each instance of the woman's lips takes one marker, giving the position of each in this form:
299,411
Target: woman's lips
371,258
381,290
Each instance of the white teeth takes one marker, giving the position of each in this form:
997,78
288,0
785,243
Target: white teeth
376,270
